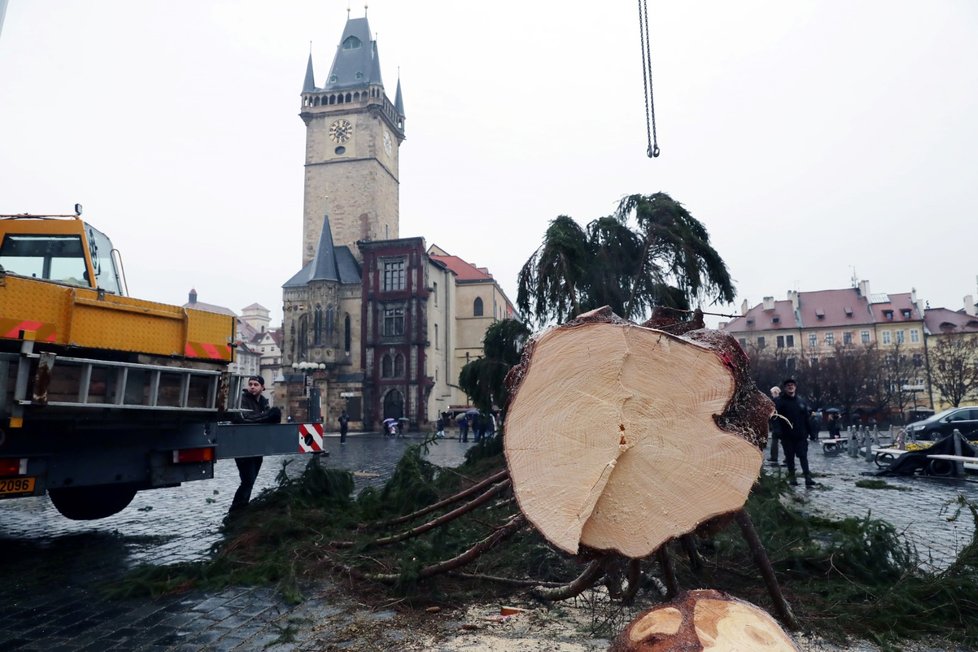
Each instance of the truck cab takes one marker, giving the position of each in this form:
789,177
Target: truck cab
62,249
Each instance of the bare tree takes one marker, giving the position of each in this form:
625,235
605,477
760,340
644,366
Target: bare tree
887,373
844,376
954,367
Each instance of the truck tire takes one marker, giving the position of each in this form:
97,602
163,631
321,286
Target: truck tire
90,503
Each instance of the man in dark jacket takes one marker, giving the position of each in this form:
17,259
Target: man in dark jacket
256,410
796,427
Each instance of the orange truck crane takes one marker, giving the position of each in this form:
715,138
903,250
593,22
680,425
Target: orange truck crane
101,394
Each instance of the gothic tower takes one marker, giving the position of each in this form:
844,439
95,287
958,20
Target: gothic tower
353,134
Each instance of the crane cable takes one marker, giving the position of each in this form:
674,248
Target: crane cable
646,41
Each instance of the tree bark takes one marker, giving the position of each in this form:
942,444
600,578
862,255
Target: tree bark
621,437
703,620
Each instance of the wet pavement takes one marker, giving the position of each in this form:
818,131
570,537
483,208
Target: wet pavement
920,512
53,567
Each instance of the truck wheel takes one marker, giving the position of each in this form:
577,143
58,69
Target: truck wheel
90,503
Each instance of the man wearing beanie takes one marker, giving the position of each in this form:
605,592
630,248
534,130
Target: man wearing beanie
255,410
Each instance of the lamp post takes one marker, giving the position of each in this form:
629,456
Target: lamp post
311,392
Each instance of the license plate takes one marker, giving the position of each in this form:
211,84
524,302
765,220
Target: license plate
14,486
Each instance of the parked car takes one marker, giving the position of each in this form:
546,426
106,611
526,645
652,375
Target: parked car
963,419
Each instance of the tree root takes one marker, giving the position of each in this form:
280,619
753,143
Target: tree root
592,573
441,503
512,581
502,532
668,571
781,606
430,525
633,577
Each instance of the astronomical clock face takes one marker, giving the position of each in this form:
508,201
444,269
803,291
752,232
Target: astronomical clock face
341,131
388,142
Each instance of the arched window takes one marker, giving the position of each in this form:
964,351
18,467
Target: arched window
317,326
303,335
347,334
386,367
477,307
292,348
330,323
352,43
399,366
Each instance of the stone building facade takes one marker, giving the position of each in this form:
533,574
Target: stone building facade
353,137
371,321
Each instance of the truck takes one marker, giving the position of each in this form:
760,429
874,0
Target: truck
103,395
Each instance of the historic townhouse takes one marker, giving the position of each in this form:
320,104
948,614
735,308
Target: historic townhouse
811,324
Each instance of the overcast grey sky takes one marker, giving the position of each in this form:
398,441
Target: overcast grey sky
814,139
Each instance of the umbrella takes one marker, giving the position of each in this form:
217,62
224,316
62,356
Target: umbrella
832,411
389,420
472,411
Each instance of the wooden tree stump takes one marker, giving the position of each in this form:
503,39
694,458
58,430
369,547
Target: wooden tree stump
614,438
704,620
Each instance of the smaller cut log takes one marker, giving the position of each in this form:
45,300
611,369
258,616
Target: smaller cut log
705,620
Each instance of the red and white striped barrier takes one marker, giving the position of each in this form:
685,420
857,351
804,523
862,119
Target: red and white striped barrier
311,438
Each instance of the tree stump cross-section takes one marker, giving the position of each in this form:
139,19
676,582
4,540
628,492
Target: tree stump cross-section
612,441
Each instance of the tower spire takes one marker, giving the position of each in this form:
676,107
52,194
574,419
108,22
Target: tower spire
309,84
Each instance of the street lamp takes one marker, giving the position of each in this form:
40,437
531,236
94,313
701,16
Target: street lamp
311,393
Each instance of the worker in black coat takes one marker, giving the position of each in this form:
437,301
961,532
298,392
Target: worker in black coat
255,410
794,415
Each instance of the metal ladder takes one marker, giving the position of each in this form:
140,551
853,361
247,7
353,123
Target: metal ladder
133,386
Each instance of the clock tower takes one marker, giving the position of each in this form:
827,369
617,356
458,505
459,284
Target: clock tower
353,134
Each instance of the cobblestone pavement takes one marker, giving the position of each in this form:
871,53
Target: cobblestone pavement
920,511
53,567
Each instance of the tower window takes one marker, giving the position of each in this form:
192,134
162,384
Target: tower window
393,321
393,275
352,43
340,150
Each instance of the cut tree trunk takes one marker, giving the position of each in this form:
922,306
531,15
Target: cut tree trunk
622,437
703,620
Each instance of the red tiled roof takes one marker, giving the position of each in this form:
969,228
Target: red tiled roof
826,309
463,271
942,320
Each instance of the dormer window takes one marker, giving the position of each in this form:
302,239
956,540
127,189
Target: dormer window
819,313
848,311
888,314
776,319
352,43
906,313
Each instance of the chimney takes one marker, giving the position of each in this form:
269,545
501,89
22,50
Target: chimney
864,289
769,303
969,305
744,307
793,298
193,295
